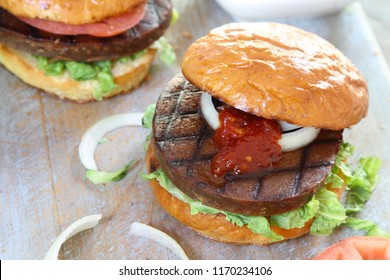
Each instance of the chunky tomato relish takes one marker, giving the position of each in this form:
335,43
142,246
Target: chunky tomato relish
247,143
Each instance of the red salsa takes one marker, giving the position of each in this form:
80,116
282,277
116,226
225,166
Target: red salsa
247,143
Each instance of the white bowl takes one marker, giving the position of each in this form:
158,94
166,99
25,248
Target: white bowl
254,10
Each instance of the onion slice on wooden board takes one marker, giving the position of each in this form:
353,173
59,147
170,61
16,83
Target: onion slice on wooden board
82,224
158,236
95,133
293,136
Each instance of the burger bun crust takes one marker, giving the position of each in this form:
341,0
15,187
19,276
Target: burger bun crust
278,71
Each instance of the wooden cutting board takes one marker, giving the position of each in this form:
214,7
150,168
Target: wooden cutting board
42,184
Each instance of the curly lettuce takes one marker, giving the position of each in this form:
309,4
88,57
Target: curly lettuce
363,183
298,217
167,53
147,121
330,214
100,71
101,177
256,224
370,227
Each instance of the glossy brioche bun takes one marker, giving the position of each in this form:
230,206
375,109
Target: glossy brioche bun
278,72
24,67
214,226
69,11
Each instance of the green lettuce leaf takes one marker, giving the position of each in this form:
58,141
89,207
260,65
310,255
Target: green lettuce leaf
296,218
106,84
335,180
147,121
42,61
101,177
257,224
371,166
137,55
133,56
51,68
103,65
163,180
363,184
197,207
175,16
80,71
369,226
55,68
331,213
101,71
360,183
167,53
346,150
103,140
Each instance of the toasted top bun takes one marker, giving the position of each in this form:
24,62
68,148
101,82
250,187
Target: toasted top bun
69,11
278,72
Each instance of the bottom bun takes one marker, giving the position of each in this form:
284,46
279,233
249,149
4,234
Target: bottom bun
213,226
127,77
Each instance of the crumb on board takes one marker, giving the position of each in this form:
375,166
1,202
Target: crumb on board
187,34
148,77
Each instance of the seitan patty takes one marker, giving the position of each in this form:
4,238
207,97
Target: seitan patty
183,146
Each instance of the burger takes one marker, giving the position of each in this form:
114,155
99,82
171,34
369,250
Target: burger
81,50
247,142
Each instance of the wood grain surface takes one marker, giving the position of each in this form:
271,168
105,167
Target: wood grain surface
42,184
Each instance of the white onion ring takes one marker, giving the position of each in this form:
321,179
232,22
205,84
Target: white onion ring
299,138
291,140
82,224
92,136
208,111
288,126
158,236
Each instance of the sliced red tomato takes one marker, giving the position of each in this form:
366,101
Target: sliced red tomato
107,28
357,248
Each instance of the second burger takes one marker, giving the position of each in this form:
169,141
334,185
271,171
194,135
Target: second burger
82,50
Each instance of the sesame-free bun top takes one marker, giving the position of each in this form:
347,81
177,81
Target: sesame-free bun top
70,11
278,72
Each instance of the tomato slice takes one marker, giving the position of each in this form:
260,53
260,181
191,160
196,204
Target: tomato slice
357,248
107,28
